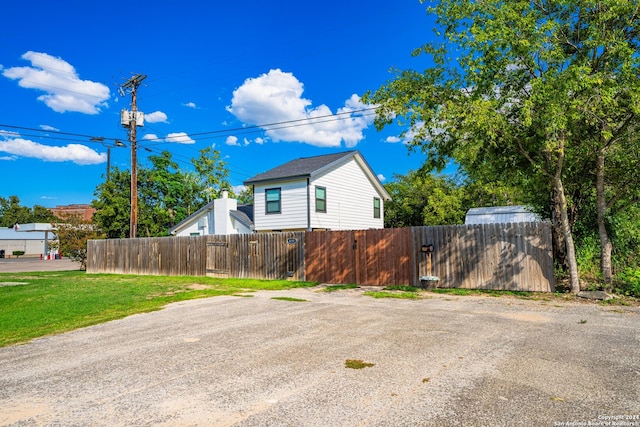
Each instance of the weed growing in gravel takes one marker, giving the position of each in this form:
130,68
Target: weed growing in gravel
404,288
290,299
385,294
356,364
332,288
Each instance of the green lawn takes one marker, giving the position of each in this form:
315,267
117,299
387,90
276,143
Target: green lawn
33,305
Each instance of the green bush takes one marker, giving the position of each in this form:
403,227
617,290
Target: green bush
17,253
628,282
588,255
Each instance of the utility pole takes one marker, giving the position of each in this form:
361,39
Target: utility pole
132,120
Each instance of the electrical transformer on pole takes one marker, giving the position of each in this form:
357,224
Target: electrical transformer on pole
132,119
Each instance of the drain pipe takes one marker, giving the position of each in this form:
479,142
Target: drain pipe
308,204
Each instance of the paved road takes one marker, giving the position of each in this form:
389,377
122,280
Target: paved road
18,265
257,361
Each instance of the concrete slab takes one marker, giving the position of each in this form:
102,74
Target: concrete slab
18,265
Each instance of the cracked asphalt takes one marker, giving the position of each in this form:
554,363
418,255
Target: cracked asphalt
259,361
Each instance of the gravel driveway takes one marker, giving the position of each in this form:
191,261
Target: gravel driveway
257,361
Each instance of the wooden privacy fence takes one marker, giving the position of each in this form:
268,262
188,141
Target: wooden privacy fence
483,256
255,256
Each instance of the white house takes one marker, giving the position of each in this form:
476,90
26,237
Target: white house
221,216
500,214
331,192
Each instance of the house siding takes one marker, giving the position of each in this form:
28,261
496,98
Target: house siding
349,207
293,206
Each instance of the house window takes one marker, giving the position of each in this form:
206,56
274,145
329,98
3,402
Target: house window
321,199
376,207
273,200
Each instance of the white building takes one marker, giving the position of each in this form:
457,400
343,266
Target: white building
330,192
221,216
32,239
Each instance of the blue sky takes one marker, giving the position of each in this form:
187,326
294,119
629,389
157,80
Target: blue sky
212,69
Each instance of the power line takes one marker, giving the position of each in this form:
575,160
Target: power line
307,121
147,144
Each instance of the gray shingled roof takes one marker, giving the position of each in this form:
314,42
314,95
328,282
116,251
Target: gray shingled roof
244,214
299,168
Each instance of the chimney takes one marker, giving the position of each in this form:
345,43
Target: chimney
222,208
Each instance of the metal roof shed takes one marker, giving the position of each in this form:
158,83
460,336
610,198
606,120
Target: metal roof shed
501,214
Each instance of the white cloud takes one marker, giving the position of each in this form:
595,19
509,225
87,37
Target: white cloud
180,138
50,128
410,134
8,133
381,177
76,153
237,189
64,90
259,140
156,117
393,139
276,97
8,158
190,105
232,140
246,141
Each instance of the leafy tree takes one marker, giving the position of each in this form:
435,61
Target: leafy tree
246,196
11,212
73,233
421,198
213,174
166,194
113,204
160,196
516,87
41,214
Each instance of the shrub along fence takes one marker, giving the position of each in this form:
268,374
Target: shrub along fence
482,256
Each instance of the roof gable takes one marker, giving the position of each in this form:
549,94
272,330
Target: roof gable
299,168
194,217
307,167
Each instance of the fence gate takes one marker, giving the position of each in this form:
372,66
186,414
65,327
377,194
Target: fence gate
217,256
365,257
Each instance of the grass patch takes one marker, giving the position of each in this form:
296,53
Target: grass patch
332,288
454,291
290,299
403,288
356,364
386,294
55,302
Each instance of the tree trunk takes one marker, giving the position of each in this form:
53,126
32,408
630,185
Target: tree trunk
561,200
559,246
601,203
